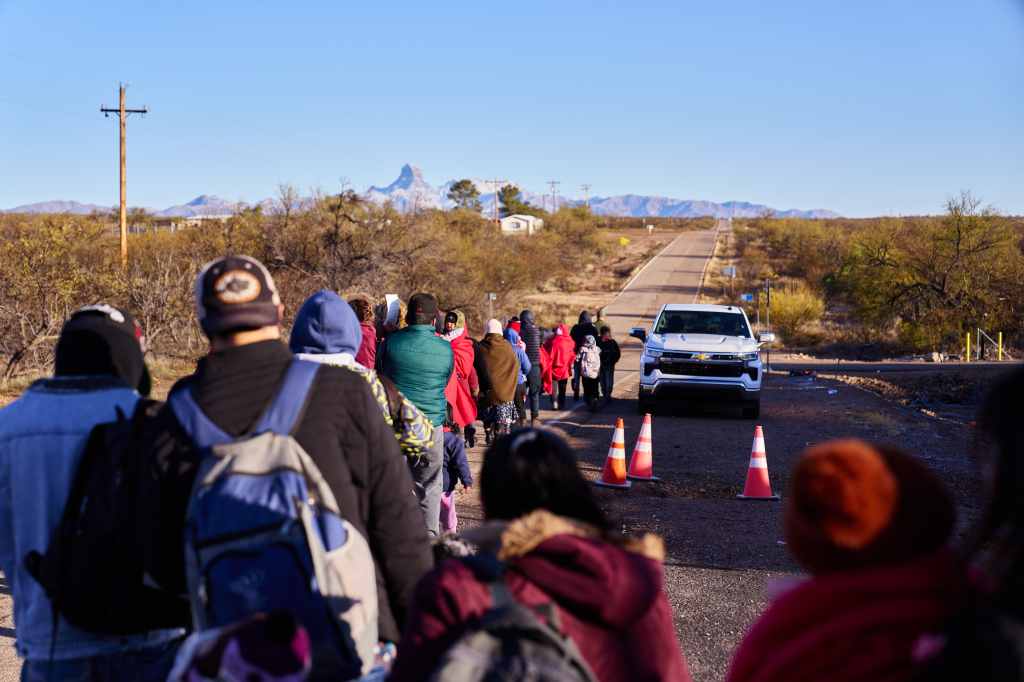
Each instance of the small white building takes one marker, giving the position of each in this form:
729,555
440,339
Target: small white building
521,224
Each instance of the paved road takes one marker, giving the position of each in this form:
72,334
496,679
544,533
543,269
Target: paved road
724,553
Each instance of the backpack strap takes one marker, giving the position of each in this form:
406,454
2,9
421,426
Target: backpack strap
281,416
203,432
285,412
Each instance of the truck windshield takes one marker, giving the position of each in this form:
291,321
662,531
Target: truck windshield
702,322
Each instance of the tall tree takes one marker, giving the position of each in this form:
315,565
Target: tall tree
465,194
511,199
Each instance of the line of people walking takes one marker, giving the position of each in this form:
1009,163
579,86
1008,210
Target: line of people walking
286,514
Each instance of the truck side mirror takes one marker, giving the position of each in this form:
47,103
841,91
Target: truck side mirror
766,337
639,333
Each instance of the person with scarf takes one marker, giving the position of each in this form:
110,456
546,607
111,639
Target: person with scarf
463,386
871,525
561,351
501,367
524,370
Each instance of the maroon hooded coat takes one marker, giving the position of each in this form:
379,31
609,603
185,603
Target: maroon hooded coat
610,599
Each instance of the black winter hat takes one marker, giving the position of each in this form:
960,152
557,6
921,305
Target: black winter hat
101,340
234,293
422,309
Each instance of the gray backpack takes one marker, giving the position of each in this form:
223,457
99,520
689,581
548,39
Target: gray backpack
263,533
511,642
590,361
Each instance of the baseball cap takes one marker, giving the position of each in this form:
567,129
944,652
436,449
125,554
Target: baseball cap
234,293
422,309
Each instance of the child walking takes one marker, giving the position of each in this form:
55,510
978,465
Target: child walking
610,355
589,361
454,470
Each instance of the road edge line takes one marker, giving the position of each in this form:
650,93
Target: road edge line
707,264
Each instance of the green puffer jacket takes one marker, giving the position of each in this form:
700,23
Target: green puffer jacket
419,363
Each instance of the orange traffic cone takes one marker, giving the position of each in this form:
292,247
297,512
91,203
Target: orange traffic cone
614,473
641,464
758,487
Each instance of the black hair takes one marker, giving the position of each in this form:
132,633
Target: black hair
532,469
1001,529
605,330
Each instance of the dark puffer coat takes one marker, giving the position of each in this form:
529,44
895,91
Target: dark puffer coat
342,430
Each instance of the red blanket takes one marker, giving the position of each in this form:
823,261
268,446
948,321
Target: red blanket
852,627
458,392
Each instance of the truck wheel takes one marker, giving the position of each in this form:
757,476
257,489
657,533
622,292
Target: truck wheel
752,410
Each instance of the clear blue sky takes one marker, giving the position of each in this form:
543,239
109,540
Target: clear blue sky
866,107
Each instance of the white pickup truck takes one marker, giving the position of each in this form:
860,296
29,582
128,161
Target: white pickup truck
704,352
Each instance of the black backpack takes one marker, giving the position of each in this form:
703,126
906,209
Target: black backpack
511,642
92,570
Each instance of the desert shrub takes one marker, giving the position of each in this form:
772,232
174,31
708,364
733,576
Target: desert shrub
794,308
52,264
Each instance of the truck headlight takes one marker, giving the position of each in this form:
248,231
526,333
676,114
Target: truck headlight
749,356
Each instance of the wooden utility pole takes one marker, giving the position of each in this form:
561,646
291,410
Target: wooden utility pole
122,115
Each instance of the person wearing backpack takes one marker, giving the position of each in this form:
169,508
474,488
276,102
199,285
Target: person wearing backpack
327,331
99,374
590,603
250,382
589,362
871,525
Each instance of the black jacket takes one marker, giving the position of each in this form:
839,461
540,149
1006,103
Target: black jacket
610,353
530,334
342,430
582,330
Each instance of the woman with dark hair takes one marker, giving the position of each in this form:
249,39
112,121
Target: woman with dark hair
555,547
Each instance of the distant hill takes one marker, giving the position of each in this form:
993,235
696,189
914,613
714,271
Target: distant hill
410,191
60,207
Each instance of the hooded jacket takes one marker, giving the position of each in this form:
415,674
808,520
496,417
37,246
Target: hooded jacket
327,331
610,598
530,334
502,369
562,350
524,362
584,328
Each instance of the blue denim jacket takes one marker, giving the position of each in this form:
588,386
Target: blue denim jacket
42,435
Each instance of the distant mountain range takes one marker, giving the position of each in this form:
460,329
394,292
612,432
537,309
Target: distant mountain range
410,192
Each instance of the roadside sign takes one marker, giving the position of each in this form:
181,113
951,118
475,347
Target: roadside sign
749,298
492,297
729,271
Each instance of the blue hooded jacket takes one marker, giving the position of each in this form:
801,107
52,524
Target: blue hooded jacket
524,362
326,325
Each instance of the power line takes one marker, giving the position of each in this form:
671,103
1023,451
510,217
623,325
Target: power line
495,184
586,194
122,115
553,184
